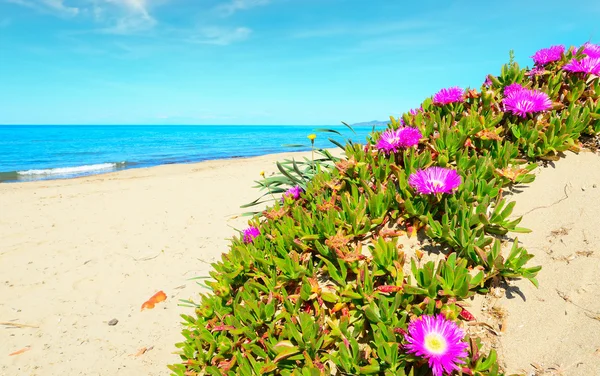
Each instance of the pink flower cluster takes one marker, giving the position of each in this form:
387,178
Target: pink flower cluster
521,101
591,50
439,341
587,65
434,180
512,88
450,95
293,192
590,64
548,55
250,234
393,140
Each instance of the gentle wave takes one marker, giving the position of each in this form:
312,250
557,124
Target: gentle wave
73,170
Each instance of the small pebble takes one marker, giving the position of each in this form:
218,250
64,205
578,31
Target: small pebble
113,322
595,186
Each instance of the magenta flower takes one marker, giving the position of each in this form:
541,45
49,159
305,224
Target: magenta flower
512,88
539,70
250,233
590,65
434,180
401,138
525,101
415,111
293,192
487,82
450,95
548,55
438,340
591,50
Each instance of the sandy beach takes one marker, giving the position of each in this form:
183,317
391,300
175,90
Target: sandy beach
75,254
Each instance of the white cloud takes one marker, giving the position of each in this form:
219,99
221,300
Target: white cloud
59,6
221,36
233,6
135,17
129,24
124,16
139,7
117,16
55,6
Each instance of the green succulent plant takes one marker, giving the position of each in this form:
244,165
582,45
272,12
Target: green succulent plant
326,288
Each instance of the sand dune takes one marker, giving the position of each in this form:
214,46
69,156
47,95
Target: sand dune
75,254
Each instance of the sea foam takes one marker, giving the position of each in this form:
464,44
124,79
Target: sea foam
72,170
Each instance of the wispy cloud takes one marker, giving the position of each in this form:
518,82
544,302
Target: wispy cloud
54,6
220,36
233,6
124,16
137,18
114,16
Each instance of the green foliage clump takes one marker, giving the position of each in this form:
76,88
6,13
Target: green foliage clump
326,289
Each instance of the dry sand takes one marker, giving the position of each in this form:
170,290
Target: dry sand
75,254
556,328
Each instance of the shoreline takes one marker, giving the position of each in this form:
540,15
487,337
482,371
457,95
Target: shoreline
52,152
137,166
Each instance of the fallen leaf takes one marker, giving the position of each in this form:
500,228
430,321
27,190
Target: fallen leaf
143,350
156,298
20,351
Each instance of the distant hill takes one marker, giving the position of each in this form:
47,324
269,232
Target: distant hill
371,123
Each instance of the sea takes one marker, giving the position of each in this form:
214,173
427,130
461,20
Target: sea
41,152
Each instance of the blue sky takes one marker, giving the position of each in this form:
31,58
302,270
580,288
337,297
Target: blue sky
260,61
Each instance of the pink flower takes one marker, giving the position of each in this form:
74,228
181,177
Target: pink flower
591,50
548,55
450,95
487,82
434,180
415,111
293,192
590,65
401,138
250,234
438,340
537,71
525,101
512,88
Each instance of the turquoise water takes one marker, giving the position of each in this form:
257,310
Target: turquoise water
54,152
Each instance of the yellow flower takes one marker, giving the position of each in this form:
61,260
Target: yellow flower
262,173
312,137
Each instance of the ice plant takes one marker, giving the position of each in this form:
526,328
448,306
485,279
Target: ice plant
548,55
591,50
438,340
450,95
487,82
512,88
250,233
585,65
293,192
415,111
434,180
393,140
536,71
525,101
